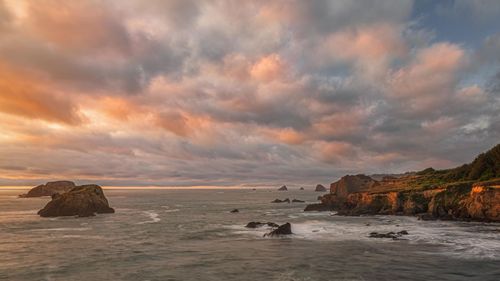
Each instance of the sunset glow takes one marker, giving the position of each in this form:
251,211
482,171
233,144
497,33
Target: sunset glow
229,93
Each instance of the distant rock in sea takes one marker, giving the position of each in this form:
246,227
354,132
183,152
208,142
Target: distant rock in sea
82,201
287,200
235,211
301,188
49,189
298,201
283,188
320,188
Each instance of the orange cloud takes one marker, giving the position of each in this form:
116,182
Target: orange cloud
77,25
268,68
25,96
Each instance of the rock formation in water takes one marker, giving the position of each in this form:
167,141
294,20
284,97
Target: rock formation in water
284,229
49,189
256,224
298,201
287,200
301,188
320,188
82,201
283,188
469,192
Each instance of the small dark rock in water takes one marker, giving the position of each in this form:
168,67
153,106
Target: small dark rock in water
301,188
255,224
283,188
367,224
82,201
284,229
388,234
297,201
235,211
281,201
320,188
318,207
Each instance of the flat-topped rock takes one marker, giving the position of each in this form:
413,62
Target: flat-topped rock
82,201
49,189
283,188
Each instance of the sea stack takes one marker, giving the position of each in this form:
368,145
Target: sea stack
320,188
82,201
49,189
283,188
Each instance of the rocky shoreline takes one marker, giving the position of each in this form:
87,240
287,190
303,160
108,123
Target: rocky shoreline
470,193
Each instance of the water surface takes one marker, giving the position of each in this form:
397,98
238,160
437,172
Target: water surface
190,235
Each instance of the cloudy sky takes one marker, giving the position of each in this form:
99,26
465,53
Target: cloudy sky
209,92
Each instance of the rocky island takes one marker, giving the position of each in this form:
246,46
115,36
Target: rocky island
470,192
49,189
82,201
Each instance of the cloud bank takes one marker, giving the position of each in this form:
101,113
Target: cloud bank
241,93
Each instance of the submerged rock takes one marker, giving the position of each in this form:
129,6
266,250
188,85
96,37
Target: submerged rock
298,201
320,188
301,188
82,201
391,234
284,229
235,211
49,189
283,188
256,224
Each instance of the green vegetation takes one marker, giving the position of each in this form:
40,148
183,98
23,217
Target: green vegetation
486,166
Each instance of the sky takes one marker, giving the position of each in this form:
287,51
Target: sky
244,93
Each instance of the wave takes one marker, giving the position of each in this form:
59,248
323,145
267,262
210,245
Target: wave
153,217
462,241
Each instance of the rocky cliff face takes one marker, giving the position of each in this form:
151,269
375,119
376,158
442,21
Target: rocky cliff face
82,201
349,184
459,201
49,189
468,192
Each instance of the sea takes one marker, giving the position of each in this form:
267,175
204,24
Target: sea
190,234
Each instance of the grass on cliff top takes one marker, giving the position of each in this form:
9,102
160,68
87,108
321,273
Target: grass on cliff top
486,166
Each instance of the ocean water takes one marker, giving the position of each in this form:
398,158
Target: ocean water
191,235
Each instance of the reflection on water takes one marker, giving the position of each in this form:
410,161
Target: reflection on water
190,235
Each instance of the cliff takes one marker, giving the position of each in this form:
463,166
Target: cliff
468,192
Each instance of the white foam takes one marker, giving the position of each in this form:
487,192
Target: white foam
153,217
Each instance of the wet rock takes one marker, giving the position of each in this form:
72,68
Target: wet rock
301,188
49,189
318,207
281,201
283,188
298,201
82,201
391,234
235,211
256,224
284,229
